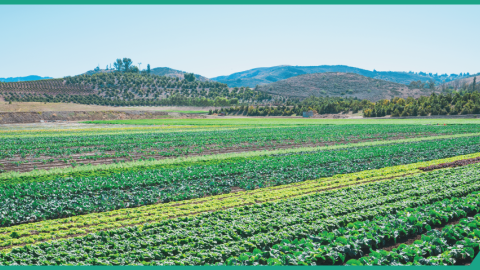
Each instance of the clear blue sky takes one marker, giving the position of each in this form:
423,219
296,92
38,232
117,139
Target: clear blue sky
57,41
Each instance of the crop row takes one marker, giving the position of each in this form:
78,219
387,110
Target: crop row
108,169
100,130
360,238
181,143
447,247
456,163
252,121
83,224
80,225
64,197
214,237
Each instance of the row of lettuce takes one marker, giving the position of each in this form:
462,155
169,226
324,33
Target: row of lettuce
148,143
345,224
360,241
29,233
31,200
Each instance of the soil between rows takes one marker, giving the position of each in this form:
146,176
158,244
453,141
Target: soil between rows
7,165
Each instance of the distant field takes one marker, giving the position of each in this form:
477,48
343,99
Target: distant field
45,107
286,121
186,111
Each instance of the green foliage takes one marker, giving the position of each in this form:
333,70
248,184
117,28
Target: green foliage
142,186
435,104
189,77
251,232
134,89
361,237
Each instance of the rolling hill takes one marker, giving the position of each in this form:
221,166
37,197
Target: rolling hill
337,84
463,82
265,75
159,71
129,89
169,72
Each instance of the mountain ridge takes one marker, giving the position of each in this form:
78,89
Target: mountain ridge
24,79
265,75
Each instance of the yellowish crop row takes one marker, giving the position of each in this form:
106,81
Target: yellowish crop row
105,131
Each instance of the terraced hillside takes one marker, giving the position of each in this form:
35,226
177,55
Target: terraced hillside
130,89
394,193
44,87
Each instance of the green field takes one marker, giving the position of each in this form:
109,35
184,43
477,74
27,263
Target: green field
194,112
244,191
287,121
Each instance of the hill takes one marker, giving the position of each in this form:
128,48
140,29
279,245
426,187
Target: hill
159,71
129,89
259,76
165,71
24,79
463,83
336,84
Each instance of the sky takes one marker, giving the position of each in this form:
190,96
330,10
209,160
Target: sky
58,41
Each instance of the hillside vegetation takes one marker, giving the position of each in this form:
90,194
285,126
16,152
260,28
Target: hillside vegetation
448,104
130,89
260,76
435,104
341,85
159,71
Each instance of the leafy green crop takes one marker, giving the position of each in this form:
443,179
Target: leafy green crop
360,238
214,237
459,242
168,144
74,196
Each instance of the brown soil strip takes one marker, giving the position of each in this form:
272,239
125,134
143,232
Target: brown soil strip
456,163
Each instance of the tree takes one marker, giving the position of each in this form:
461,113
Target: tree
189,77
133,69
118,65
97,68
474,83
127,63
148,69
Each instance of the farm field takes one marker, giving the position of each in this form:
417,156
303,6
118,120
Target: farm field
262,121
29,149
50,106
241,192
